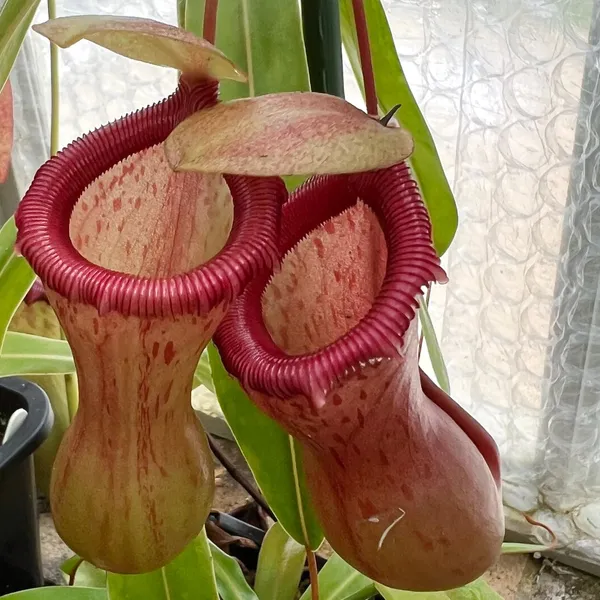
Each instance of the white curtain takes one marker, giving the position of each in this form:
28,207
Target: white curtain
511,92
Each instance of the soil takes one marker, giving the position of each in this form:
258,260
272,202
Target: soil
229,494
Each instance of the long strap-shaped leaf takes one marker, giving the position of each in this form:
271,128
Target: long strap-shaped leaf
280,565
433,347
478,590
190,575
15,19
230,580
393,89
16,277
25,354
59,593
339,581
272,455
264,39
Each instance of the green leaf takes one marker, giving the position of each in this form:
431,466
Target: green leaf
518,548
392,89
477,590
338,581
273,457
25,354
16,276
87,575
323,42
202,375
8,237
280,565
264,39
294,181
15,19
230,580
365,594
433,347
59,593
190,575
181,6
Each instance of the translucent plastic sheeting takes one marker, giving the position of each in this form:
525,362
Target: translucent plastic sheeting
511,90
96,85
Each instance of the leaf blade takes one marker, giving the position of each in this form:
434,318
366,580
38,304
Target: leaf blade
87,575
16,277
15,18
202,373
26,354
265,41
60,593
520,548
149,586
477,590
230,580
280,565
323,43
271,455
433,347
190,575
338,580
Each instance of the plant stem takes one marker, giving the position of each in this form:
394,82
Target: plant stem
323,43
535,523
74,572
313,573
54,82
248,41
210,20
239,477
181,6
366,62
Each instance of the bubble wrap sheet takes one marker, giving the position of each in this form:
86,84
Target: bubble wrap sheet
511,91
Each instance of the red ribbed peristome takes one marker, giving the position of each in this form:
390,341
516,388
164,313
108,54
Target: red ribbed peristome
43,221
248,350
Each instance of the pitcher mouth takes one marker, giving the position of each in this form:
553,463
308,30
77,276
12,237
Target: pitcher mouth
247,348
44,214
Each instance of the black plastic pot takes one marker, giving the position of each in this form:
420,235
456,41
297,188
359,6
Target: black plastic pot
20,558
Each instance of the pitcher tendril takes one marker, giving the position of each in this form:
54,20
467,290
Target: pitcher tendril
366,61
209,32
